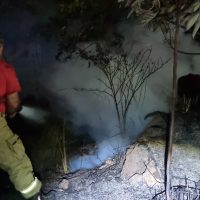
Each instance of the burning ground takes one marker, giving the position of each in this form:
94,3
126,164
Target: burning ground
139,173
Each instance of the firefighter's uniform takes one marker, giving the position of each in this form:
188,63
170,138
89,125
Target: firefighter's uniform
13,158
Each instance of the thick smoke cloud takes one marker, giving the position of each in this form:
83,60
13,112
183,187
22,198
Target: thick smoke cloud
34,60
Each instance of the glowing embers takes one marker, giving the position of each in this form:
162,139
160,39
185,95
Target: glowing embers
189,92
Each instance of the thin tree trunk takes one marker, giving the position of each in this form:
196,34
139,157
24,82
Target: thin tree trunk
174,96
65,168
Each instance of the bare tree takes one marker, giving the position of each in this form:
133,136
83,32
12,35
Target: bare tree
122,78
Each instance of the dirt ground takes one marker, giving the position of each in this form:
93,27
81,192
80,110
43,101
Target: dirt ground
102,183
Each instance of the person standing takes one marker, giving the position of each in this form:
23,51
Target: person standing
13,158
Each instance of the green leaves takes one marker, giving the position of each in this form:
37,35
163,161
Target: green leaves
196,27
159,10
193,18
145,11
192,21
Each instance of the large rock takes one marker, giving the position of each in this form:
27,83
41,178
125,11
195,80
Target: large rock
144,163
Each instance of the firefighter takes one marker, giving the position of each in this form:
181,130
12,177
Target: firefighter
13,158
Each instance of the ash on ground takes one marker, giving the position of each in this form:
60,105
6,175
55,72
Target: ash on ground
139,173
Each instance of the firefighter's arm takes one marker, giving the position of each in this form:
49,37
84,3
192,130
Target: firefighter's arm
13,104
12,91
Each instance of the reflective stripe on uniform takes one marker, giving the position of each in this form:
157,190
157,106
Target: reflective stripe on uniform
31,187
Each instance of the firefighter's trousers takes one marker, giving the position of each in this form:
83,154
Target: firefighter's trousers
16,163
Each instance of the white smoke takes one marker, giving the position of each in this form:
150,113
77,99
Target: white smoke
34,59
99,112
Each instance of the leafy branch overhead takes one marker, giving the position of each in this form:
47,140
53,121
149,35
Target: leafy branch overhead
79,21
162,12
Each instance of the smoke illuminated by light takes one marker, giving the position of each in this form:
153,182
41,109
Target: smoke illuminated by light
40,70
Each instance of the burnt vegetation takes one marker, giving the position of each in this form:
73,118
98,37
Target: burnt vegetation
124,78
